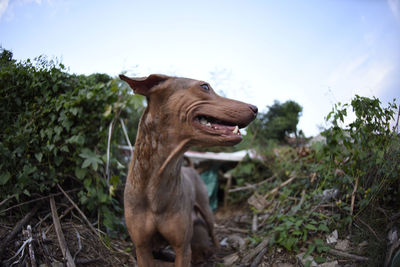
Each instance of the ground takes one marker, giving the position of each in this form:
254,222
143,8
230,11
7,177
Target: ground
233,227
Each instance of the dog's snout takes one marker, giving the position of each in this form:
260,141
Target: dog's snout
254,109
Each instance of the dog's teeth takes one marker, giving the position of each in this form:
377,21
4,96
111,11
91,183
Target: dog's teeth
208,124
203,121
236,130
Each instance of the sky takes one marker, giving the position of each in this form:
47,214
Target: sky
316,53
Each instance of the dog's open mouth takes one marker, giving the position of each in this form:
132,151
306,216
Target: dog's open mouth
217,127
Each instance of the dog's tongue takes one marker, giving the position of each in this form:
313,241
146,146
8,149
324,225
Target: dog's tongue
227,129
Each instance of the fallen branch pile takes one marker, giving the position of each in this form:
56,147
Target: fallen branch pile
41,237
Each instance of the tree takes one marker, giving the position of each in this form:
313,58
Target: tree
280,121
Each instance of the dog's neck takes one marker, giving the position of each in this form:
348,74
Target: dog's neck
156,165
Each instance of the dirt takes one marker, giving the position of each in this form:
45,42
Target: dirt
233,229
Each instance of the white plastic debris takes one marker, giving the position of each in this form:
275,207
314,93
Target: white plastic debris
332,238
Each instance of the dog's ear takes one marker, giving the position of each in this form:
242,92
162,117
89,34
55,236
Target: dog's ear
143,85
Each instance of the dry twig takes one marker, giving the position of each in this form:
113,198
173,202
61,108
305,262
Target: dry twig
79,210
7,199
254,225
353,197
62,216
260,248
232,229
260,202
346,255
276,189
17,229
36,200
251,186
78,237
30,247
60,236
259,257
370,229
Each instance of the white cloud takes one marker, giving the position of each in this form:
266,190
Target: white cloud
360,76
7,6
3,7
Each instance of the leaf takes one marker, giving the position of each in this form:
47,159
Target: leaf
58,160
297,232
319,259
28,169
87,183
64,149
80,173
323,227
91,159
102,197
4,178
26,192
76,139
39,156
58,130
115,180
288,244
108,111
310,250
319,242
310,227
74,111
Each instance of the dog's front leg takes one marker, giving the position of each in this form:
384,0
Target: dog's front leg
183,255
144,256
141,229
177,230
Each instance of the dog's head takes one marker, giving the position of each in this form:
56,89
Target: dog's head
191,109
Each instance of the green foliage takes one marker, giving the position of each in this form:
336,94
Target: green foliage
367,149
293,231
280,121
54,131
360,159
247,172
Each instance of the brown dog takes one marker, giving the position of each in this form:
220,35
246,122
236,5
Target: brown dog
161,197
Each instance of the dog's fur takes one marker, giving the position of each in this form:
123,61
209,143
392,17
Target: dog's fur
162,200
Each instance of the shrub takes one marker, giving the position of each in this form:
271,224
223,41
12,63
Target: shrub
54,131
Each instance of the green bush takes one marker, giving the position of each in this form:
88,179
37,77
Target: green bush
361,161
55,129
366,150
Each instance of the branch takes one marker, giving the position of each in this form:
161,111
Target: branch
353,197
60,236
347,255
231,229
17,229
259,257
79,210
37,199
263,245
370,229
251,186
276,189
7,199
30,247
62,216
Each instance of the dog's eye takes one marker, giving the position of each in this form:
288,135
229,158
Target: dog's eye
205,87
